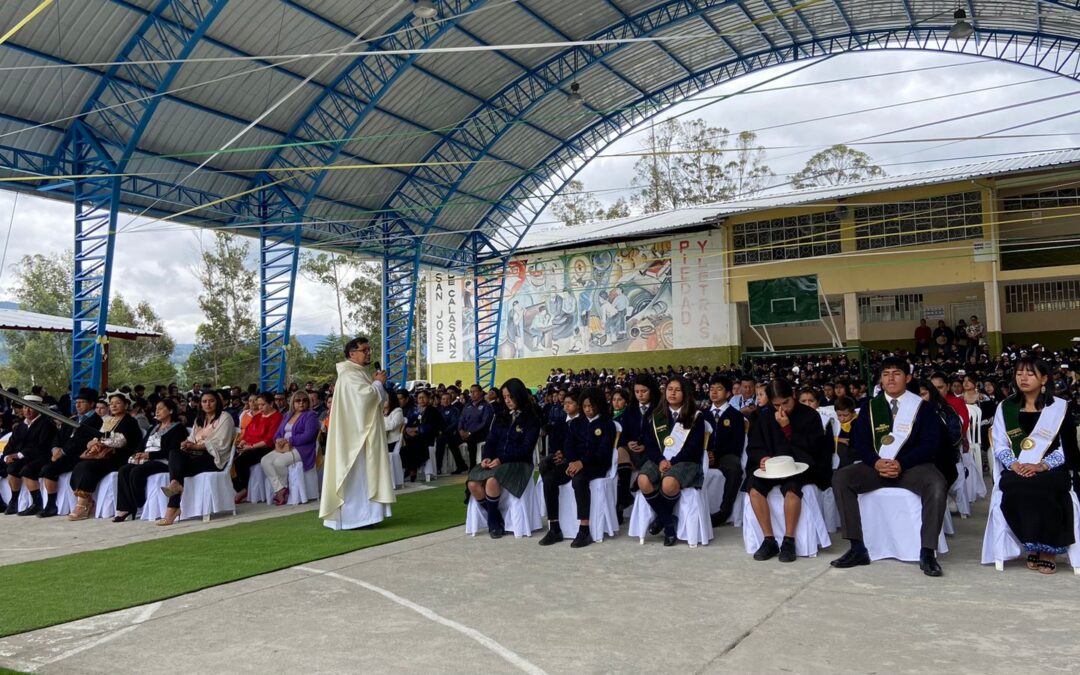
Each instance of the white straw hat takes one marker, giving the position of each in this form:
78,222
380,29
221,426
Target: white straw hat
781,467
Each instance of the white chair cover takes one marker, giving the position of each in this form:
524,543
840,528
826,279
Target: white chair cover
24,496
947,527
105,496
313,484
156,501
602,516
891,519
974,485
829,511
397,473
298,485
65,496
258,486
1000,544
431,469
714,489
522,516
5,490
692,523
208,493
975,441
811,533
959,492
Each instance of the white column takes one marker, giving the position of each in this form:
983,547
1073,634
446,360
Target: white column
852,330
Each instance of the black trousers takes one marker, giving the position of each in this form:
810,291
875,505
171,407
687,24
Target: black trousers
88,473
243,463
186,464
131,484
27,467
924,480
731,467
554,476
53,470
453,444
475,439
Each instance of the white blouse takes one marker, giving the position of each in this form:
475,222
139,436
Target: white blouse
394,423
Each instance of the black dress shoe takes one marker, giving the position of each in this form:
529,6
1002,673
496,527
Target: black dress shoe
496,532
768,549
553,536
852,558
787,550
48,512
655,527
930,567
12,507
31,510
670,540
582,539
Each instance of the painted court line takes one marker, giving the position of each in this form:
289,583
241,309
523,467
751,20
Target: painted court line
493,646
144,615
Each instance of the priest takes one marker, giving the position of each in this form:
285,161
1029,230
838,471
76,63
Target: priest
357,489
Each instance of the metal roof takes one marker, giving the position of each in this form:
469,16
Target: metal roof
702,216
17,319
478,141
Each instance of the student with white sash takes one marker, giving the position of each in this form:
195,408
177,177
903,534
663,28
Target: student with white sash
790,430
1032,432
896,439
679,430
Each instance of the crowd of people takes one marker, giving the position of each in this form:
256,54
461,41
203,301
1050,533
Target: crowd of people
895,419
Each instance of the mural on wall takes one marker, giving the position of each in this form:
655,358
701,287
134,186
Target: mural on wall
650,296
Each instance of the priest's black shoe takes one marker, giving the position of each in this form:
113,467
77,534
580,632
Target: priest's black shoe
553,536
852,558
582,539
655,528
768,549
929,565
31,510
787,550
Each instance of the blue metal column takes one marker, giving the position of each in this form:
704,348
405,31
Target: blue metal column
279,257
399,276
97,201
488,276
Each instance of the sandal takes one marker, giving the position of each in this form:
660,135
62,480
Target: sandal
241,497
1047,566
170,491
1033,562
80,512
165,522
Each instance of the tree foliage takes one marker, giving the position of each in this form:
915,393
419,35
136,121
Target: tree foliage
836,166
142,361
575,206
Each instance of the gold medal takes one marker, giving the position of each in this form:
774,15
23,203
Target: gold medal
518,428
598,432
669,441
1027,444
887,440
727,423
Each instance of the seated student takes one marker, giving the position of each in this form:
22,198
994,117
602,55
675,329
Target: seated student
845,413
294,442
726,444
152,458
70,444
207,448
255,442
419,435
508,450
1032,434
28,450
585,455
104,455
896,440
560,430
679,428
637,443
784,428
448,438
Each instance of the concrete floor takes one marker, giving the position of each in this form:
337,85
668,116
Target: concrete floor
428,605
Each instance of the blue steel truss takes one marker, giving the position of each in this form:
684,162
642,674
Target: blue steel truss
279,249
400,275
487,316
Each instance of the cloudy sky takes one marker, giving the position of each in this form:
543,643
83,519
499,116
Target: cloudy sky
156,264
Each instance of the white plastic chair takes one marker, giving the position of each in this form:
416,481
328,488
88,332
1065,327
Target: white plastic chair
397,473
65,496
1000,544
208,493
521,516
300,483
602,516
258,486
892,519
431,469
959,492
976,479
829,511
105,496
692,525
156,501
811,533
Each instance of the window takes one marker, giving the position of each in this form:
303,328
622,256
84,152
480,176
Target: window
1045,296
1047,199
882,308
792,238
922,221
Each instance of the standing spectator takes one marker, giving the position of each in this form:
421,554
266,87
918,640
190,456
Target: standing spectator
976,335
923,336
943,338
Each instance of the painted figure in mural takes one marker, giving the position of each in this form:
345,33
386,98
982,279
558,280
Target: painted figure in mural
515,329
622,312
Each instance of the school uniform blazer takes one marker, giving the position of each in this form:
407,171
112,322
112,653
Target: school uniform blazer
693,448
921,446
635,427
557,434
512,440
729,438
450,416
591,443
34,442
767,439
427,425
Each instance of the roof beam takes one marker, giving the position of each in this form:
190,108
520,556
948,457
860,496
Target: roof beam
753,24
719,33
783,24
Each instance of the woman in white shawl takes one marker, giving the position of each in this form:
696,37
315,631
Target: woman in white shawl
206,449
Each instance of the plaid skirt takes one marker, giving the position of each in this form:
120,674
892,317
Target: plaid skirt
689,474
513,477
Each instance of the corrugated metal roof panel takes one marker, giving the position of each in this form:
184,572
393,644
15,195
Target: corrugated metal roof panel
17,319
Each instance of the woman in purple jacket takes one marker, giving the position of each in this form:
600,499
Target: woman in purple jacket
294,442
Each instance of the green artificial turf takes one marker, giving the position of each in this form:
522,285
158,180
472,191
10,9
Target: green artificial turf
79,585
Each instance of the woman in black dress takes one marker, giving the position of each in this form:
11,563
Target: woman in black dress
121,438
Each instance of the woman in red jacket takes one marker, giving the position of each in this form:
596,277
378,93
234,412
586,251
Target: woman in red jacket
255,442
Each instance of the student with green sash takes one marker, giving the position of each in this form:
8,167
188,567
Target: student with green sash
1033,430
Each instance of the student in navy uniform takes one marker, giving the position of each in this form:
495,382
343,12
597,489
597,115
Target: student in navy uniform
508,452
70,445
845,414
726,443
448,438
419,435
27,451
913,468
474,422
678,465
586,454
636,437
784,428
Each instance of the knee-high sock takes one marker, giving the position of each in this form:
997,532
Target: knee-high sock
623,497
495,519
52,500
35,497
654,498
667,504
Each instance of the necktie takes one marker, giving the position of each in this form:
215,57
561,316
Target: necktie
716,414
895,407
